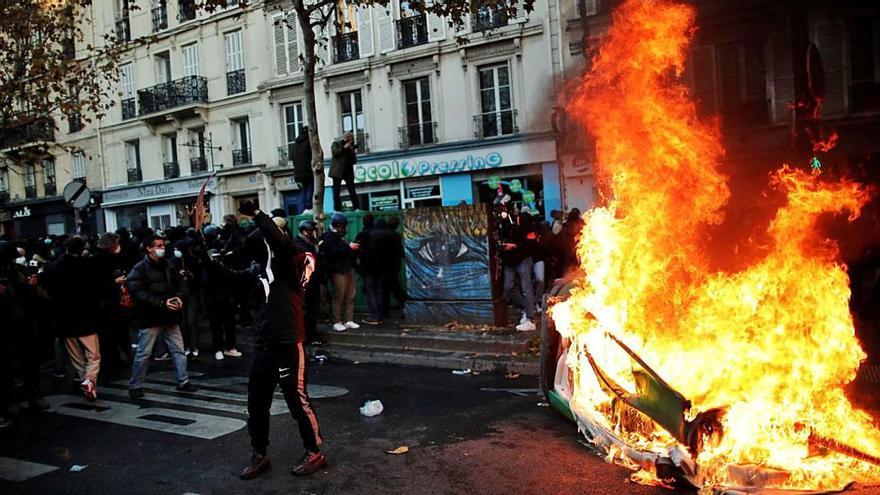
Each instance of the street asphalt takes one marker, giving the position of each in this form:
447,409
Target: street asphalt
461,437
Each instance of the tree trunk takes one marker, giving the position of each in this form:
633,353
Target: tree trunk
309,63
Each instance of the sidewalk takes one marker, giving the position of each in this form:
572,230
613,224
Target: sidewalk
481,349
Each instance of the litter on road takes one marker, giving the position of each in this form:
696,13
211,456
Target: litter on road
372,408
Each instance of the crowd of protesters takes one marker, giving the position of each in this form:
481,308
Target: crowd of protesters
119,300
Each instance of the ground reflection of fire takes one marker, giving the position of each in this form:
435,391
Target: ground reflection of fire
771,346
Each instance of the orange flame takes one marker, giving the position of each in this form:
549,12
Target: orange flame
774,342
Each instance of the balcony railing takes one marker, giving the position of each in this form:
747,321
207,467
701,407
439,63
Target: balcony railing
418,134
345,48
283,157
235,82
134,175
30,192
187,10
241,157
50,189
123,30
198,164
165,96
412,31
497,123
172,170
40,130
160,17
129,110
488,18
74,123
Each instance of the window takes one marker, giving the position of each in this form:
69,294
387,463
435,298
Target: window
293,125
489,17
169,156
187,10
419,128
123,28
235,80
49,177
419,194
128,105
163,67
743,81
191,60
352,113
4,181
286,44
497,116
864,42
160,15
133,161
198,161
79,166
412,28
345,43
241,142
30,181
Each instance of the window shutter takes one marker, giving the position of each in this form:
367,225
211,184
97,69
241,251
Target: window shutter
365,31
191,60
128,81
281,58
385,24
436,24
829,41
704,78
521,14
292,32
464,27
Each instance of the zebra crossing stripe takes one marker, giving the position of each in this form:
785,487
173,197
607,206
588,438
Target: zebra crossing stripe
151,388
152,418
18,470
239,408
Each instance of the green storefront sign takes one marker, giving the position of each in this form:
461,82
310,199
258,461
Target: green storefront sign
402,169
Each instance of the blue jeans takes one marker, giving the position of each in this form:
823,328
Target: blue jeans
525,296
146,339
308,193
373,290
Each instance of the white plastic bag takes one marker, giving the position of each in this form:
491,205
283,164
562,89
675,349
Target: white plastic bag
372,408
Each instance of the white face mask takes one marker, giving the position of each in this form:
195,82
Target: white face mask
21,260
159,253
178,253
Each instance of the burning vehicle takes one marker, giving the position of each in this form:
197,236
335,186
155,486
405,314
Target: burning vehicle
727,380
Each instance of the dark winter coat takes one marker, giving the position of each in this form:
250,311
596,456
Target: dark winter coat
151,284
302,158
73,287
342,161
336,253
278,317
381,253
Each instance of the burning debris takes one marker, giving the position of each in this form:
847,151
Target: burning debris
753,362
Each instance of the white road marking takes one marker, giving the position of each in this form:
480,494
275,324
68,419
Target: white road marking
18,470
121,413
278,407
315,391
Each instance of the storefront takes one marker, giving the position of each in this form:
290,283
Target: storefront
239,186
458,173
39,218
158,206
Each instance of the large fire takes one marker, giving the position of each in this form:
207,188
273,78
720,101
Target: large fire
773,343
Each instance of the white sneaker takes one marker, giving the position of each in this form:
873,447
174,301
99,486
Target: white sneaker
232,353
523,319
195,353
526,326
352,325
339,327
219,356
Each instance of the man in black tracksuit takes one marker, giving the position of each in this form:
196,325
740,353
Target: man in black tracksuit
279,357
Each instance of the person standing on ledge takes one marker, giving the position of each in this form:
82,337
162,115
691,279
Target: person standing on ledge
279,357
344,153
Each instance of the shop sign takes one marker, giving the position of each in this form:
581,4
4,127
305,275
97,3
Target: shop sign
384,203
421,192
402,169
162,190
22,213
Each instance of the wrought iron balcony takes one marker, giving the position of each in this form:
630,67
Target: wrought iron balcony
129,110
418,134
412,31
165,96
198,164
187,10
50,189
30,192
345,48
235,82
160,17
284,157
172,170
74,123
40,130
489,17
134,175
241,157
123,30
497,123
